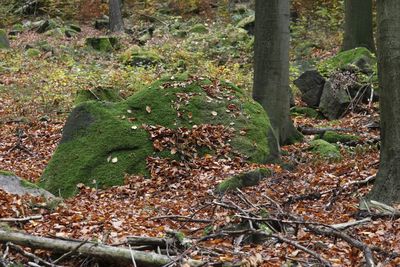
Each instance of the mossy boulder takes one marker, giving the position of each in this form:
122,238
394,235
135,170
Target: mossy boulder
359,57
334,137
4,43
102,43
325,150
16,29
102,141
47,25
136,56
245,179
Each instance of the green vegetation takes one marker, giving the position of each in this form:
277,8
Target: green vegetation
334,137
28,184
6,173
325,150
305,111
246,179
359,57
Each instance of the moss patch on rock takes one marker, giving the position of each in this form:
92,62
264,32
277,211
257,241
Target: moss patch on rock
334,137
137,56
245,179
98,94
103,43
305,111
6,173
4,43
325,150
359,57
102,141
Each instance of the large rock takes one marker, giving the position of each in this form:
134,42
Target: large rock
311,85
15,185
102,43
102,141
248,24
4,43
334,101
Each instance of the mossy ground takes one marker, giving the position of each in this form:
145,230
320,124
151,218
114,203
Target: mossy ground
334,137
245,179
325,150
6,173
113,131
343,59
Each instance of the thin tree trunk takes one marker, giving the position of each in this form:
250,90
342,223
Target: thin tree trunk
358,25
271,66
387,185
116,22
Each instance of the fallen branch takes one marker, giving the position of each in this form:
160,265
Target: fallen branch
25,219
108,253
342,226
149,241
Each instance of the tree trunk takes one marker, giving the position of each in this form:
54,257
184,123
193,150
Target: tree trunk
387,185
116,22
358,25
271,66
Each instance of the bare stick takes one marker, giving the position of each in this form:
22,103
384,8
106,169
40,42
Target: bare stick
30,255
25,219
180,218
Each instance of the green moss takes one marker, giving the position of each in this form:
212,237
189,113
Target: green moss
98,94
99,131
4,43
33,52
6,173
246,21
343,60
334,137
103,43
137,56
199,28
325,150
27,184
305,111
245,179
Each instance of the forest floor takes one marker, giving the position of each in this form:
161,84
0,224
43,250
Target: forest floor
320,192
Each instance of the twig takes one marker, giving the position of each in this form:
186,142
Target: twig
133,257
65,255
180,218
25,219
30,255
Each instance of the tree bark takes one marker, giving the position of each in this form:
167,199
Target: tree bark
116,255
271,66
116,22
358,30
387,185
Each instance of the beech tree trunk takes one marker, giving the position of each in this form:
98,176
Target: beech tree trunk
271,66
358,30
387,185
116,22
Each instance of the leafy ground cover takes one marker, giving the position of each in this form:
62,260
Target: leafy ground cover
37,93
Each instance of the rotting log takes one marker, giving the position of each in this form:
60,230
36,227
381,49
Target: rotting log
104,252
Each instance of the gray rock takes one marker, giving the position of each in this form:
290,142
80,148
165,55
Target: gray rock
14,185
334,101
311,85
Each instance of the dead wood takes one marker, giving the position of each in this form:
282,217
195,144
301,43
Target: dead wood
312,131
112,254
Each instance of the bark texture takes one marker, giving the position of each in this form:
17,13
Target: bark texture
116,22
271,66
358,25
387,185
